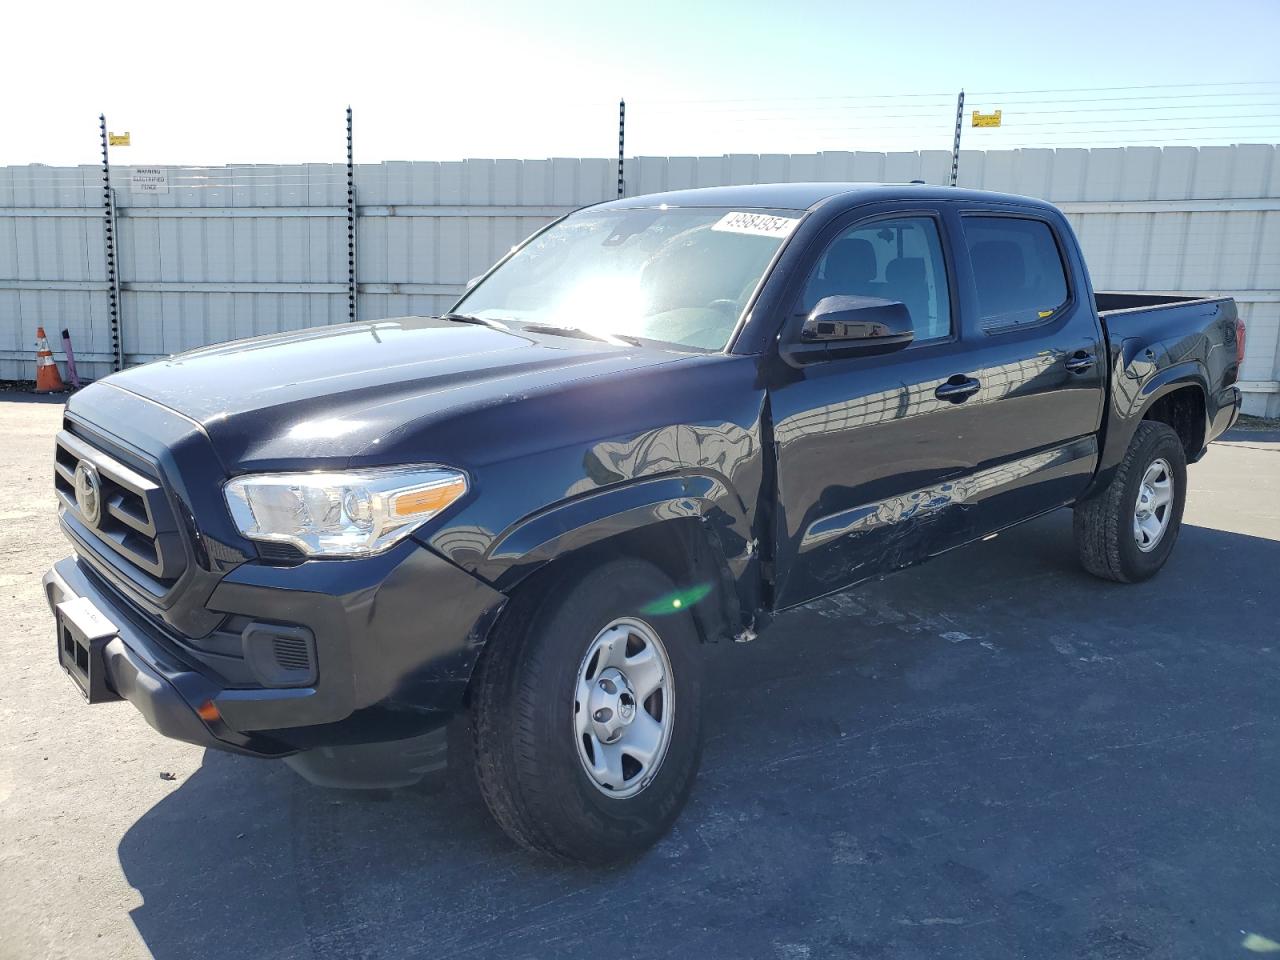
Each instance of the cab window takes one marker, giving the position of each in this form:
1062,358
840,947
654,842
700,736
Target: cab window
1017,270
899,259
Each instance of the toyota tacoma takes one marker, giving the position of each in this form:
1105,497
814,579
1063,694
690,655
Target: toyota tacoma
658,422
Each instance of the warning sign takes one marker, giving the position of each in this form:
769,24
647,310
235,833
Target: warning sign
986,119
118,139
149,180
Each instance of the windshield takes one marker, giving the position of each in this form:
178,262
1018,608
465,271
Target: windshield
677,275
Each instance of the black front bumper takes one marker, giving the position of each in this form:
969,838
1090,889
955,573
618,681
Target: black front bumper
135,666
396,639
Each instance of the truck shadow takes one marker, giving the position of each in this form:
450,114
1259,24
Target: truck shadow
963,758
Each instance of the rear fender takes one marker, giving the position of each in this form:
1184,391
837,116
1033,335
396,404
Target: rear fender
1138,381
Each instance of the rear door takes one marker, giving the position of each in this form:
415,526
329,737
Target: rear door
886,460
1035,344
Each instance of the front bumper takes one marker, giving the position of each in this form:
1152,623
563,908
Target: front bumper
135,666
396,638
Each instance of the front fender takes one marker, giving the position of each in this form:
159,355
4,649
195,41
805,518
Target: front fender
702,503
577,523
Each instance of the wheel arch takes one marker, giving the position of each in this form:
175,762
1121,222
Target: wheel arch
1132,403
685,525
1184,407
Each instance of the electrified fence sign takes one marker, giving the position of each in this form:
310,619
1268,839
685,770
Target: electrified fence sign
149,180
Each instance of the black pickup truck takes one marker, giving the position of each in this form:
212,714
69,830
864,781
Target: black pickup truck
660,421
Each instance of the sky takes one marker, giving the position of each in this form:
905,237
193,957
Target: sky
228,81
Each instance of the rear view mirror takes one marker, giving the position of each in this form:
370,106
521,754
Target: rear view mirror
849,326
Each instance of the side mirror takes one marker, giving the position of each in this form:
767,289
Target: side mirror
471,283
849,326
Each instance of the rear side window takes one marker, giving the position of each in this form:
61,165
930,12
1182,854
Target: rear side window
1017,269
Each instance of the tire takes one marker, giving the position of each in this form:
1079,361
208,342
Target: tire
527,714
1107,542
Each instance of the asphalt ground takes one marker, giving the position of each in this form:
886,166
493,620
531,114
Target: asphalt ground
993,755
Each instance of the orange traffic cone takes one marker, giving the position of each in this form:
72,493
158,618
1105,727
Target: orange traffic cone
48,379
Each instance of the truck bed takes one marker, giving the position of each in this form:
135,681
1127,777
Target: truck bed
1185,326
1109,302
1162,339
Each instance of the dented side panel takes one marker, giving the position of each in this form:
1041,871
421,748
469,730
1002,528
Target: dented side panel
875,471
927,521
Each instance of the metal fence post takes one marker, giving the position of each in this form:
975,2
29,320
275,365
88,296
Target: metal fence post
351,226
955,149
111,246
622,131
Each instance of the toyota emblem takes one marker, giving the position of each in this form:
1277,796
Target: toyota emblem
88,492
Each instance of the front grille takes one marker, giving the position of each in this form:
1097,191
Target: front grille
135,530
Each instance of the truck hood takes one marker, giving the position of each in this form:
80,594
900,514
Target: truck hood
345,394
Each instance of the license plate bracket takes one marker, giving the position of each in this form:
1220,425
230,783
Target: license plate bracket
83,634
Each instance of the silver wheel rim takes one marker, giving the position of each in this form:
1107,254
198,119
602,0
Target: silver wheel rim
1154,508
623,708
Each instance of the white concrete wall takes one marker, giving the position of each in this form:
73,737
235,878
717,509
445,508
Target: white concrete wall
243,250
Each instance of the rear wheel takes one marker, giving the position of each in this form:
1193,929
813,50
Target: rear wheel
587,715
1127,531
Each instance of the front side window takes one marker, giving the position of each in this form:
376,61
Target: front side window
677,275
1017,270
893,259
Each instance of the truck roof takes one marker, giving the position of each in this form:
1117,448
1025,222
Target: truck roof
806,196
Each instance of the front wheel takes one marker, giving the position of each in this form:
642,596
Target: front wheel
1127,531
587,715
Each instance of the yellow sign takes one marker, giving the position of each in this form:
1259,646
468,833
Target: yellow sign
986,119
122,139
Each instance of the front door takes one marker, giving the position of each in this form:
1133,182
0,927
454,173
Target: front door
856,437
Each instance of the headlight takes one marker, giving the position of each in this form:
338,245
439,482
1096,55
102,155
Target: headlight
351,514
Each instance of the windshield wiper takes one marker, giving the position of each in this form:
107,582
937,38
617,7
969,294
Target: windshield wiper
472,318
559,331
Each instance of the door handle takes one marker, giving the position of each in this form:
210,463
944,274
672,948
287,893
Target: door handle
958,389
1080,361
